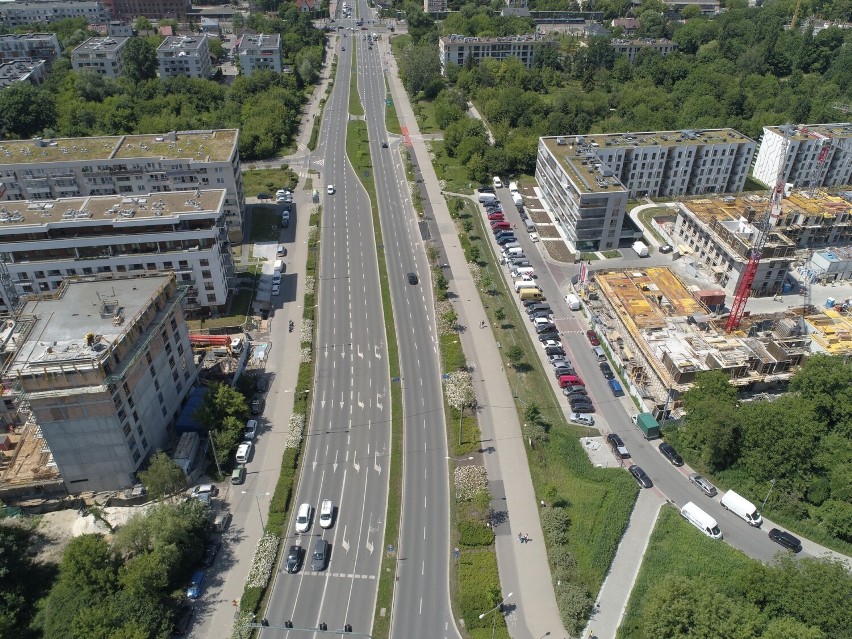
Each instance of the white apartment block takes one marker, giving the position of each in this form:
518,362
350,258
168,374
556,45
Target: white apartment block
20,14
258,52
185,55
587,202
817,155
456,49
32,46
434,6
32,71
126,165
101,55
99,369
631,48
43,243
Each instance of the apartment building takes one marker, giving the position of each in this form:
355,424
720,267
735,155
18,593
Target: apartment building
101,55
816,155
816,219
631,48
185,55
125,165
434,6
20,14
260,51
44,243
32,71
132,9
456,49
29,46
99,369
119,29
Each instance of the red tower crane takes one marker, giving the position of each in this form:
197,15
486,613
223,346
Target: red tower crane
762,226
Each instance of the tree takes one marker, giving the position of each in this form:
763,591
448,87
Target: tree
163,476
26,111
420,67
143,24
217,50
23,582
139,60
515,354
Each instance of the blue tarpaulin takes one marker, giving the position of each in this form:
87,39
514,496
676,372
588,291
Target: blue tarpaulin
187,423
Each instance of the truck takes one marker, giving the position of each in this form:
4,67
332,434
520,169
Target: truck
647,424
573,302
186,450
742,508
640,248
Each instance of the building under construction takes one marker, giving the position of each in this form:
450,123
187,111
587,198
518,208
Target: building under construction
662,333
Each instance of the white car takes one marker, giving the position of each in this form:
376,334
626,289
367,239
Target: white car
244,452
326,517
498,183
250,431
533,237
276,289
204,489
551,342
303,518
330,189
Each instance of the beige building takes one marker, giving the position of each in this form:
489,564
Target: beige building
97,370
125,165
101,55
185,55
817,155
631,48
456,49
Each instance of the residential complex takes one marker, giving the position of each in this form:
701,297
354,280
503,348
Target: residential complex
20,14
32,71
126,165
29,46
586,180
816,155
185,55
457,49
101,55
434,6
258,52
631,48
44,243
132,9
96,371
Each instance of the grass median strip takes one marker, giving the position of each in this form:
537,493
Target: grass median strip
355,106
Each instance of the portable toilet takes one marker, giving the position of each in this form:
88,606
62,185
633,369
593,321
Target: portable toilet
829,303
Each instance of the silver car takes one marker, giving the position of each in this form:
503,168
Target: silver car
705,486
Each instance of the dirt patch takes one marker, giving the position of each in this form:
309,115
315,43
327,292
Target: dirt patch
539,217
548,232
558,251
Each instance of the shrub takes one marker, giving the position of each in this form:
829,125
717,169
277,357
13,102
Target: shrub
554,524
473,533
574,604
251,599
563,565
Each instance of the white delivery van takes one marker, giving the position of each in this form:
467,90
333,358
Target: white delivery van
514,251
521,284
510,245
278,266
487,197
513,187
742,507
640,248
701,520
573,302
523,270
518,200
530,225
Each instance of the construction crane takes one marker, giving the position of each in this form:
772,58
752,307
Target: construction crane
762,226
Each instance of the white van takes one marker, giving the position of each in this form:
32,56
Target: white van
487,197
513,187
573,302
701,520
513,251
530,225
521,284
742,508
497,182
278,266
521,271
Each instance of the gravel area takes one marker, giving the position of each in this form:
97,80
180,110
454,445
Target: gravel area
539,217
547,232
558,250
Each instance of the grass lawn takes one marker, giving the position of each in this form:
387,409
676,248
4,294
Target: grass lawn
355,106
391,118
425,111
265,224
612,254
648,214
451,173
589,257
268,180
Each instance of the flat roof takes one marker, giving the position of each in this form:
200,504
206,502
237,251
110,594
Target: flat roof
183,43
105,44
819,203
456,38
201,146
252,41
806,131
115,208
76,309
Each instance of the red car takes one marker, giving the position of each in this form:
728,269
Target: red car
500,226
593,339
496,216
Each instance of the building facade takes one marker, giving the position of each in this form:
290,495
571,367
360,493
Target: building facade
119,29
816,155
132,9
101,55
126,165
20,14
259,52
457,49
631,48
434,6
44,243
101,371
185,55
29,46
32,71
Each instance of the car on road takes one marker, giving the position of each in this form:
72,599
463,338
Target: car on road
666,248
326,516
559,371
593,338
558,351
547,343
606,370
533,237
703,485
294,559
560,362
617,445
257,406
250,431
210,489
276,289
238,475
641,477
670,453
193,591
498,183
545,327
496,217
412,278
263,196
583,420
506,239
343,48
303,518
330,189
320,555
210,552
785,539
540,315
538,306
384,145
244,452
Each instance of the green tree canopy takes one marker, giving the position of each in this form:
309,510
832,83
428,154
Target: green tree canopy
163,476
139,60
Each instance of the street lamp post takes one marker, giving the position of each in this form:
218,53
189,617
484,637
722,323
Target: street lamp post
772,485
257,501
499,606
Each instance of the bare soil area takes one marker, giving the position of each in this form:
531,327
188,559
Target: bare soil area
558,251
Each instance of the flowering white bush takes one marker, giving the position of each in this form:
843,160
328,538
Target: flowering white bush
294,432
305,355
313,230
242,628
446,317
475,272
459,390
263,562
310,283
470,480
306,333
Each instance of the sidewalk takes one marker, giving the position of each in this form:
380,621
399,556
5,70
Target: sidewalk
524,570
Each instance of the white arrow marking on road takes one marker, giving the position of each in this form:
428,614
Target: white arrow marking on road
355,463
378,355
314,465
376,466
345,543
334,465
322,401
360,353
360,403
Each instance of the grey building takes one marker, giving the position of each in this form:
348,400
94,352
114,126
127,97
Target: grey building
185,55
32,46
258,52
456,49
32,71
816,155
101,55
20,14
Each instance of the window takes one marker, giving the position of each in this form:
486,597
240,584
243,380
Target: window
126,429
148,357
153,371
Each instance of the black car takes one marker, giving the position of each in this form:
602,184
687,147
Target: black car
671,454
183,617
261,384
263,196
538,306
785,539
505,239
384,145
666,248
294,559
210,552
606,370
264,314
528,303
583,408
257,406
549,327
573,396
617,445
554,350
559,371
412,278
485,189
554,335
641,477
320,555
537,314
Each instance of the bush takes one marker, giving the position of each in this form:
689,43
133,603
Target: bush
480,587
250,600
473,533
554,524
574,604
563,565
